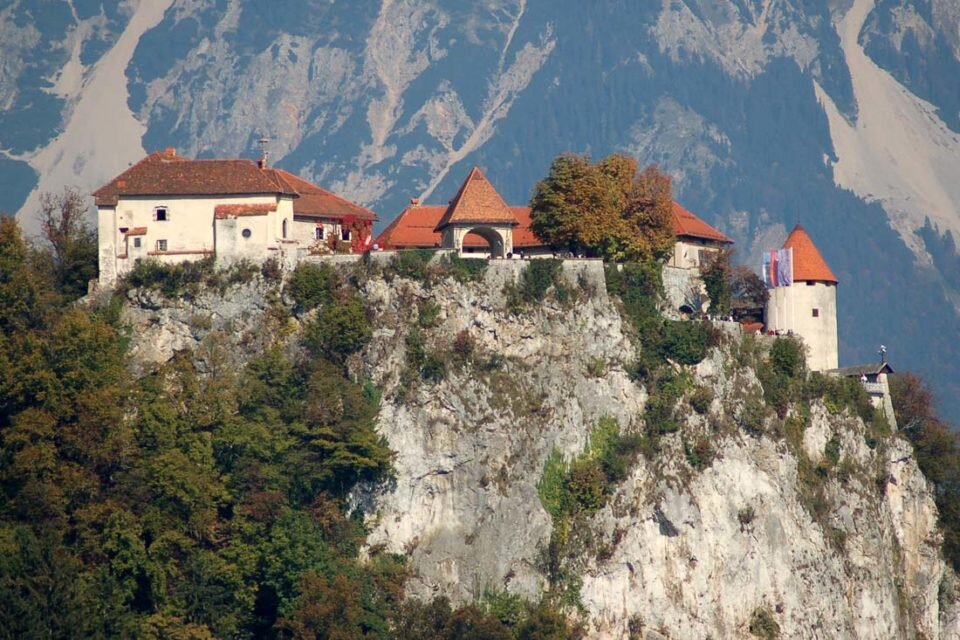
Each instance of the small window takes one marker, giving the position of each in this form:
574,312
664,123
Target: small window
810,283
136,243
161,245
284,230
318,232
160,214
245,233
344,234
816,313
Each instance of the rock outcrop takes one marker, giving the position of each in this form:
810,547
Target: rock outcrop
679,550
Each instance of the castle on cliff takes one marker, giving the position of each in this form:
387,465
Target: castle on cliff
173,209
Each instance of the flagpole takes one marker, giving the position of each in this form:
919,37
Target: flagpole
793,302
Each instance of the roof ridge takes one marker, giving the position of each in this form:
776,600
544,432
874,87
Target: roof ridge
476,179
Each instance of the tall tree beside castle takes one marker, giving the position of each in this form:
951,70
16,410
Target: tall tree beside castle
608,209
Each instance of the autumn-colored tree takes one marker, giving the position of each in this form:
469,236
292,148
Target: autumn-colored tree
607,209
735,289
72,241
937,450
748,294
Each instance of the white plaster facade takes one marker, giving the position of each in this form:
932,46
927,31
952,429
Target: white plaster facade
189,230
808,309
691,253
173,209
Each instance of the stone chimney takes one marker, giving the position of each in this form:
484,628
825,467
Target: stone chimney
170,152
415,202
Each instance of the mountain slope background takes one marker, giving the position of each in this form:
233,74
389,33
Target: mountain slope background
840,115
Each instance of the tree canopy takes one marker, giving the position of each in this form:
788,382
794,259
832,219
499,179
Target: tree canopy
608,209
193,502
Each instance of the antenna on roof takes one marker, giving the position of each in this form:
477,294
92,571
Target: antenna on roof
264,154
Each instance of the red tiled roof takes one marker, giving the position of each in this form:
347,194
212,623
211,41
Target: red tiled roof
523,235
164,174
808,264
318,202
477,202
419,225
685,224
222,211
416,227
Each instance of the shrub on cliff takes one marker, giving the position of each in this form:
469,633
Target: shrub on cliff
340,329
410,263
937,450
538,278
312,285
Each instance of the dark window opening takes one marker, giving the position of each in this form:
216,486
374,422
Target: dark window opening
284,230
161,245
810,283
318,233
245,233
136,243
161,214
344,234
816,313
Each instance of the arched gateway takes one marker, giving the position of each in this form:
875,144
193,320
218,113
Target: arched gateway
478,209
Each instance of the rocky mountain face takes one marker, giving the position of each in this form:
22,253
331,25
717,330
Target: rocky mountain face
841,115
690,544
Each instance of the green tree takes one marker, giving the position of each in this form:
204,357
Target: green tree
715,273
19,288
312,285
341,328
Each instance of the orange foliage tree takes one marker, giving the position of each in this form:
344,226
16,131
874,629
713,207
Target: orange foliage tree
608,209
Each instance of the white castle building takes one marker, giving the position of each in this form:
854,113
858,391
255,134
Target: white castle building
174,209
808,305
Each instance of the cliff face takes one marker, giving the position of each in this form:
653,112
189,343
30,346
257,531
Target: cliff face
719,542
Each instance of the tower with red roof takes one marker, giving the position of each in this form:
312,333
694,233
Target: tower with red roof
803,300
478,209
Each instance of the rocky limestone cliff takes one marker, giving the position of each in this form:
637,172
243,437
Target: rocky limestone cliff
678,550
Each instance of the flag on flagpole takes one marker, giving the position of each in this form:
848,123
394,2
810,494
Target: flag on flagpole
785,267
777,268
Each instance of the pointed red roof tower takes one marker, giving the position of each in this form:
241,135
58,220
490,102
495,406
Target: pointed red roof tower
808,264
477,202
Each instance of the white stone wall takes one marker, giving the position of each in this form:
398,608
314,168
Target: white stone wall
791,309
687,253
107,237
231,244
192,231
305,229
680,288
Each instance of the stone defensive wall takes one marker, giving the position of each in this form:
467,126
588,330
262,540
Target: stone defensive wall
579,272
